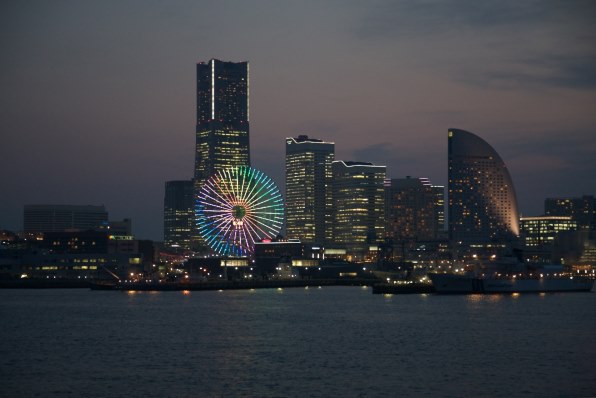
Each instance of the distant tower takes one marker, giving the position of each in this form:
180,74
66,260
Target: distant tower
482,201
308,189
222,118
358,206
410,210
222,134
178,214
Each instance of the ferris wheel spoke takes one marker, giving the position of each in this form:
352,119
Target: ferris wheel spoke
256,224
214,208
219,192
229,185
237,206
263,197
216,226
247,196
259,209
248,237
217,213
256,232
245,186
216,196
270,224
264,200
257,188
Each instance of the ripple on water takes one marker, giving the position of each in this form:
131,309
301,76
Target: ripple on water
335,341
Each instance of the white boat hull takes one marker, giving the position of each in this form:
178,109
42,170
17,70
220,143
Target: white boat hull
452,283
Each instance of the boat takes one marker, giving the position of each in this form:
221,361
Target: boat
517,283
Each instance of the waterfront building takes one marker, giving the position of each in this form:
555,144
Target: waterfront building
120,228
539,234
410,210
57,218
222,134
414,219
581,209
87,254
358,208
178,214
76,242
542,230
308,189
269,255
575,249
482,202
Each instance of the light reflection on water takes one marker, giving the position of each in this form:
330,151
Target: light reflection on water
332,341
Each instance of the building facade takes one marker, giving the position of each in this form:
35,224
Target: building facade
308,189
222,134
410,210
358,207
539,234
439,192
542,230
178,215
581,209
58,218
482,202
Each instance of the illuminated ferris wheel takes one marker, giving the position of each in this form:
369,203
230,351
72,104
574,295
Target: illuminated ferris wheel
238,207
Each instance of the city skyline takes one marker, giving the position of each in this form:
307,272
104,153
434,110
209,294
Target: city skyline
98,99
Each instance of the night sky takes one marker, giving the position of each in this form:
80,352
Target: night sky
98,97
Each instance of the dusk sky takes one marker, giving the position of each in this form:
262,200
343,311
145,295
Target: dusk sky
98,97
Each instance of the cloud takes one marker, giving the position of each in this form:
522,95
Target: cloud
381,153
395,20
574,71
491,44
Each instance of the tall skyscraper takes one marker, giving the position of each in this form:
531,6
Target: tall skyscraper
358,206
222,135
410,210
178,214
308,189
482,201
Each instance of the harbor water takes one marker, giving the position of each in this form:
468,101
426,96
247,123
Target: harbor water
295,342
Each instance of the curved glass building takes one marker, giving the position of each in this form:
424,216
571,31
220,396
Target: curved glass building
482,201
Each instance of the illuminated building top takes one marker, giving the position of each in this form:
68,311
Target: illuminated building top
358,206
308,189
222,134
482,200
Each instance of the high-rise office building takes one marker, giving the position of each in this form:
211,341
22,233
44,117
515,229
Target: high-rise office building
308,189
222,134
59,218
410,210
178,214
581,209
358,206
439,191
482,201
